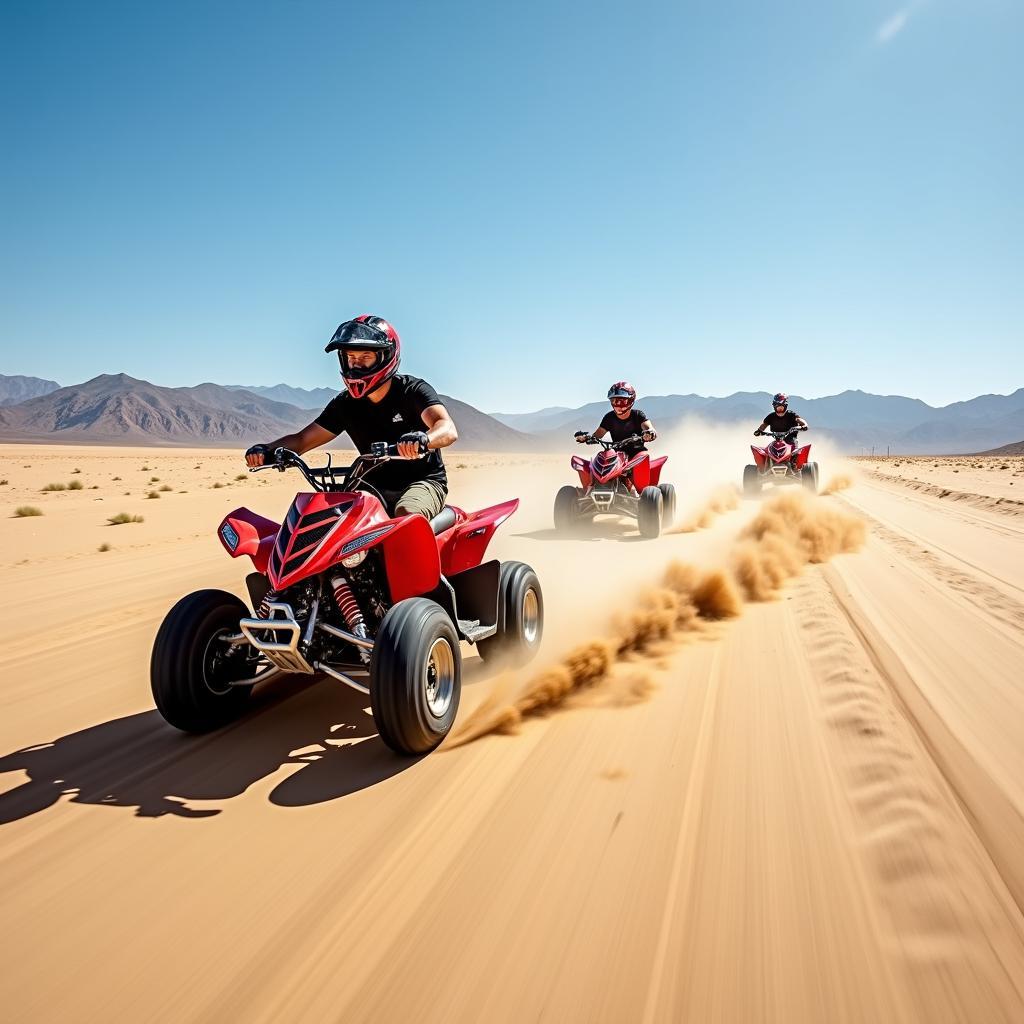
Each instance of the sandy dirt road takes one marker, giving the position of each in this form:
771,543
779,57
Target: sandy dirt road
811,811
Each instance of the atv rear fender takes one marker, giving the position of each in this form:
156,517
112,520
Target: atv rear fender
464,545
245,533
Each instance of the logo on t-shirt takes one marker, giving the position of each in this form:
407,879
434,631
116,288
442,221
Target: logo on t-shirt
397,418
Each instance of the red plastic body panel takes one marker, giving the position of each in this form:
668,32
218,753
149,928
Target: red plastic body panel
255,536
780,453
411,559
463,546
583,468
362,514
656,466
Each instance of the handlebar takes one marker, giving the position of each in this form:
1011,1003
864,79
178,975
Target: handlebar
632,439
329,478
779,435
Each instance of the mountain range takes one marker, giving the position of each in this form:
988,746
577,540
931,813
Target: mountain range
119,409
853,420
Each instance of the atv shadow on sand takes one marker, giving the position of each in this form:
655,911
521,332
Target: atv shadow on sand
137,762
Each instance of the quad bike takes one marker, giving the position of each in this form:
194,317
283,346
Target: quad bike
344,589
780,462
613,483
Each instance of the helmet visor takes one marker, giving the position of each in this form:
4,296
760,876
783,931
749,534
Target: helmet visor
620,393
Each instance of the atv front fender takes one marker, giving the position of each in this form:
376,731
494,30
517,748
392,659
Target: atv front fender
243,532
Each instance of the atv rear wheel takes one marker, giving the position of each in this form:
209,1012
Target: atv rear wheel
415,676
193,666
751,481
649,513
566,501
668,505
520,616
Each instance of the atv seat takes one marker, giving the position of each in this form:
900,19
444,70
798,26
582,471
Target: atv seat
444,520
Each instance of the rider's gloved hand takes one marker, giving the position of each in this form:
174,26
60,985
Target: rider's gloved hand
758,433
581,436
413,444
256,455
802,428
650,435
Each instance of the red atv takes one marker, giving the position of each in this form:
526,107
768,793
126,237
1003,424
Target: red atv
616,484
343,588
780,462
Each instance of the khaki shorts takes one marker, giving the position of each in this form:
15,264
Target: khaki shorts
423,498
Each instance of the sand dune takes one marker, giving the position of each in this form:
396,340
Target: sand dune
767,769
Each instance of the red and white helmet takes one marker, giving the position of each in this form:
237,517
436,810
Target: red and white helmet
622,395
781,399
367,333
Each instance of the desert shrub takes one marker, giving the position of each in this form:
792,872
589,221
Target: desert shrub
75,470
55,487
152,494
242,476
104,547
217,485
75,485
166,487
24,511
123,517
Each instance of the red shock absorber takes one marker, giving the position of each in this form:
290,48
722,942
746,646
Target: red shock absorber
350,612
346,601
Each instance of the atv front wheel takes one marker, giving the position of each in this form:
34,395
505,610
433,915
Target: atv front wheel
751,481
668,505
415,676
650,511
809,477
566,501
520,616
193,666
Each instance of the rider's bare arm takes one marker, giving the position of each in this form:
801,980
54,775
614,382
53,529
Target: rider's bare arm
801,422
311,436
600,432
647,427
440,432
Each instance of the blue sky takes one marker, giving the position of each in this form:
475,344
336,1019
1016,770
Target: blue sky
543,197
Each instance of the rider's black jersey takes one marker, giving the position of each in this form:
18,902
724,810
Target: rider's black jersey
621,429
397,413
781,424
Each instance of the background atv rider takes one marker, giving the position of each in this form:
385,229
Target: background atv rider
623,421
381,405
782,420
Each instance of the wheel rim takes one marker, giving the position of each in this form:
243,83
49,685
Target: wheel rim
439,677
531,616
215,666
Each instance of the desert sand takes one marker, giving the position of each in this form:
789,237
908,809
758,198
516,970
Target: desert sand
769,767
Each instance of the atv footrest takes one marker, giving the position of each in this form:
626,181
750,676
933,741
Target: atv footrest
473,631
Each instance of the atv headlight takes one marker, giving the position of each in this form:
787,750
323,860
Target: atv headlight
353,560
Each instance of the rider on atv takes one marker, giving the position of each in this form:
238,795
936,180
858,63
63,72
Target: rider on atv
381,405
782,420
623,421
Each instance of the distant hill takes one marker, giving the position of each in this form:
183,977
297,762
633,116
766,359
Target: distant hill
1017,448
304,398
118,409
15,389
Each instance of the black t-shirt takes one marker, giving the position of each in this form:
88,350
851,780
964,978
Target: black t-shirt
786,422
621,429
396,414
